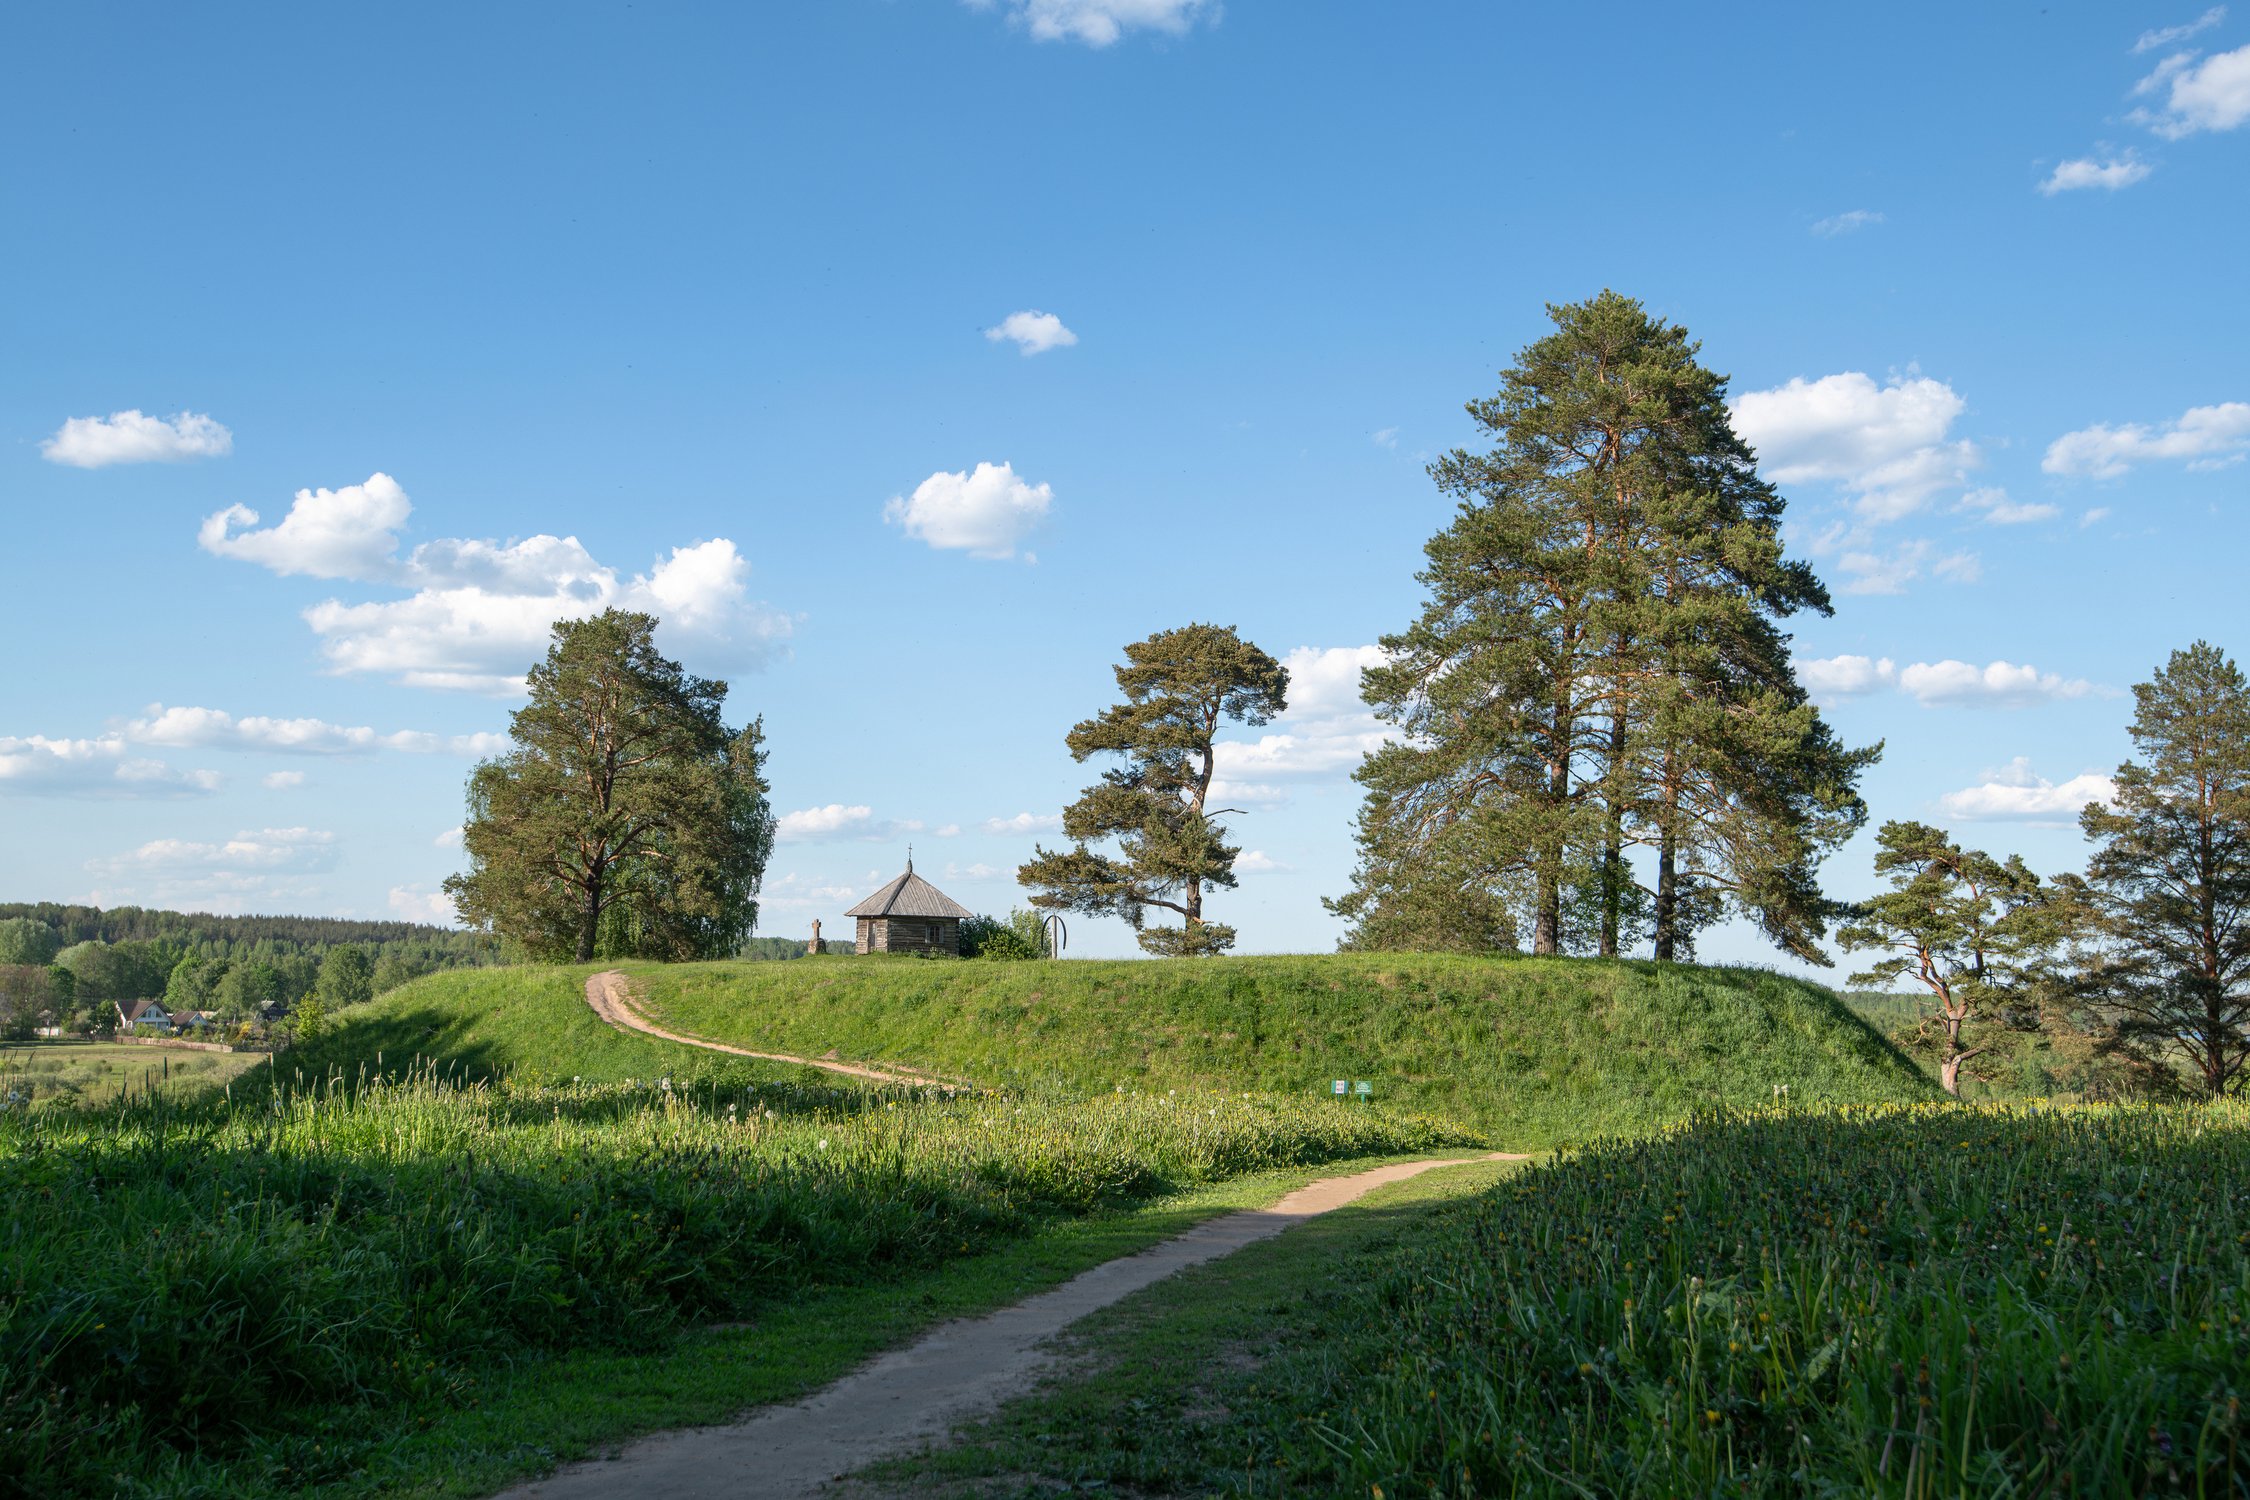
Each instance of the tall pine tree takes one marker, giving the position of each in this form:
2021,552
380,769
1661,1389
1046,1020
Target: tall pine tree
1598,666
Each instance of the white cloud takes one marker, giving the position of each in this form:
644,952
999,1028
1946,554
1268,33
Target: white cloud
294,849
1947,683
1384,437
2211,94
2094,516
2205,437
1846,223
1996,509
799,891
1099,23
2149,41
2119,171
1327,728
414,903
1875,572
986,512
346,533
450,839
1246,794
128,437
36,766
1023,823
837,821
282,781
1959,567
978,871
1998,684
1257,861
1888,445
204,728
478,613
2014,792
1830,678
1033,332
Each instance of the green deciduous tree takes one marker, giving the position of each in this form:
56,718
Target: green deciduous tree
24,941
628,820
1598,669
1180,687
2170,876
1973,931
347,976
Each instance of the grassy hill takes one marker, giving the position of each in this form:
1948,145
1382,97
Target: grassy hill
1535,1051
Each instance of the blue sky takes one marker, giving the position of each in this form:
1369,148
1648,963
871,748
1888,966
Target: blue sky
715,311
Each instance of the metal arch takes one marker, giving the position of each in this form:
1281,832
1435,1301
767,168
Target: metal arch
1058,935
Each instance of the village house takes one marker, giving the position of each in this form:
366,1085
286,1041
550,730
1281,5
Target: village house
909,915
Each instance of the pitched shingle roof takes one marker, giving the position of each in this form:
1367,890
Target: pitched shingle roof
910,896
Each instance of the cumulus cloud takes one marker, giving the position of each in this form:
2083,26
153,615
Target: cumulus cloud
837,821
1938,684
2110,174
1994,508
1327,728
1889,446
974,872
2149,41
128,437
1846,223
1384,437
417,903
450,839
1831,678
1032,332
1025,823
2204,437
36,766
2211,93
1099,23
477,612
282,781
1998,684
202,728
986,512
2015,792
297,849
1256,862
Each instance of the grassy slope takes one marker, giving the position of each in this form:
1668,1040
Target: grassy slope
1536,1051
531,1021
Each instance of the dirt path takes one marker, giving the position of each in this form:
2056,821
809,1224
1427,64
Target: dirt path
913,1395
607,994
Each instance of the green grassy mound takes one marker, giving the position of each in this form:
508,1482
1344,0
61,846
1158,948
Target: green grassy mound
1534,1051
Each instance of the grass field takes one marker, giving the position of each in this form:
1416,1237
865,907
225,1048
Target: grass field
1896,1302
261,1294
97,1072
1533,1052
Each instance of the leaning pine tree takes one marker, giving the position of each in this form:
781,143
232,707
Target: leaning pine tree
627,820
1180,687
1598,669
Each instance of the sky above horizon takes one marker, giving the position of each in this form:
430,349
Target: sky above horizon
908,358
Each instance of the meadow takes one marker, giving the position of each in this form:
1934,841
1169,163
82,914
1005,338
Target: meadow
261,1291
97,1072
1896,1301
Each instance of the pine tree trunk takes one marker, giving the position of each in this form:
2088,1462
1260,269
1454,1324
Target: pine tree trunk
590,917
1949,1076
1667,898
1613,849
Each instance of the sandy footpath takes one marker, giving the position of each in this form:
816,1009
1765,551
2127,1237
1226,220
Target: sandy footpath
607,994
912,1396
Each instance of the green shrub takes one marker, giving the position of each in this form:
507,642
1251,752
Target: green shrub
1018,937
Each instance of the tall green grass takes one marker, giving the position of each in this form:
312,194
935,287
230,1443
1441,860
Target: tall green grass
246,1292
1900,1302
